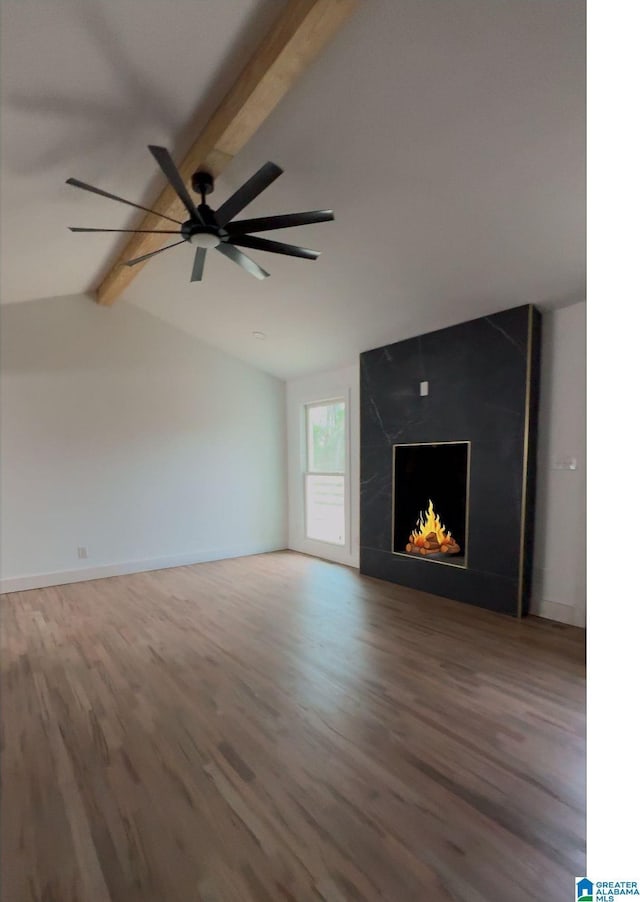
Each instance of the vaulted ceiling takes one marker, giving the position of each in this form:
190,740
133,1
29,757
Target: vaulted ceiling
449,137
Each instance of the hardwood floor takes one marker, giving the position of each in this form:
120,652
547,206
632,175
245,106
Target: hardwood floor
281,728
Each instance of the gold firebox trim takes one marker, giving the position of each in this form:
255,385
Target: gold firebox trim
525,462
466,513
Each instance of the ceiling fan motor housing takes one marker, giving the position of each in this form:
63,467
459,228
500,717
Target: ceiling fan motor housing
205,233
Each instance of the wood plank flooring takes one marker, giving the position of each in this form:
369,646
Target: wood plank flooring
281,728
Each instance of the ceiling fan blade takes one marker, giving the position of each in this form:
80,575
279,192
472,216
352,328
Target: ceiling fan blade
85,187
242,260
266,223
137,231
164,161
198,264
152,254
247,192
276,247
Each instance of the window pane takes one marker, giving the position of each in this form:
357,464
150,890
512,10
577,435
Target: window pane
326,437
325,508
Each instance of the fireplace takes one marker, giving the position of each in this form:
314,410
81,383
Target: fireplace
431,501
483,387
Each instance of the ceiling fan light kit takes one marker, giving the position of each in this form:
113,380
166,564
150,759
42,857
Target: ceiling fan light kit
209,229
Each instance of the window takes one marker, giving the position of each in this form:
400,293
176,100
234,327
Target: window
324,477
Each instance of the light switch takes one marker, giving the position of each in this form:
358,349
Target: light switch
424,388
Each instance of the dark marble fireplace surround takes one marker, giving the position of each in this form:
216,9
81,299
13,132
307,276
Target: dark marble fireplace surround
483,380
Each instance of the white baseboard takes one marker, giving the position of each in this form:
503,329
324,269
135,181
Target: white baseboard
62,577
561,612
555,610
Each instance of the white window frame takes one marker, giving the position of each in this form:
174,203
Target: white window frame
346,544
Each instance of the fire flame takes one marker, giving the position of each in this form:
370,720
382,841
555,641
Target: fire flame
425,525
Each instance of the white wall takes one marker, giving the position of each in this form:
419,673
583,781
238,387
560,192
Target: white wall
342,383
125,435
559,579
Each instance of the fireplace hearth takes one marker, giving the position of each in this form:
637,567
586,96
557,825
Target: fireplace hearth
430,501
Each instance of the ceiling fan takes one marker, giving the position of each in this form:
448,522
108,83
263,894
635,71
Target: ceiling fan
214,229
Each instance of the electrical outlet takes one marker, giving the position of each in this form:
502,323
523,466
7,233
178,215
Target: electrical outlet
560,462
82,552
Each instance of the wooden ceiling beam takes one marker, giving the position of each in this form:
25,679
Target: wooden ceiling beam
296,38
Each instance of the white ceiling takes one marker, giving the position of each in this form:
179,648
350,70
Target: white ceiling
449,137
